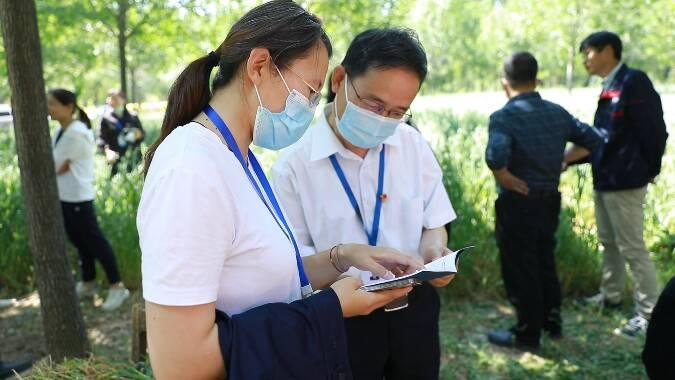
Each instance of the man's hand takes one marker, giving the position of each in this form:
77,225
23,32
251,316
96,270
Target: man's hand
510,182
432,253
111,156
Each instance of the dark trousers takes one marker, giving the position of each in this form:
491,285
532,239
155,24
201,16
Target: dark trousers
525,231
83,231
658,354
402,344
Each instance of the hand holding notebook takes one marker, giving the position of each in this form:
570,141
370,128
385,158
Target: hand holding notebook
444,266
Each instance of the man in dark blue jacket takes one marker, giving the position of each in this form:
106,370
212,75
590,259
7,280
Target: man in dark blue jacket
629,110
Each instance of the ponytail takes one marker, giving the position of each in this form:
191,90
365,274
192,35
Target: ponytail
189,94
83,116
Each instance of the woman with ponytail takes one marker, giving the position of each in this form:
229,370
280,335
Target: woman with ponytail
228,293
74,158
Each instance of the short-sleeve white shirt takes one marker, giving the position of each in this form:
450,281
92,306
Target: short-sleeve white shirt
77,145
205,235
320,211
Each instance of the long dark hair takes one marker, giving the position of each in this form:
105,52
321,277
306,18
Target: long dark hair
283,27
67,98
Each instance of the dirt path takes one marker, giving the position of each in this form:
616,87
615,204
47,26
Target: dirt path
21,331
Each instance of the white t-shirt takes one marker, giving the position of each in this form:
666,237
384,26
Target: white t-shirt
77,145
320,211
205,235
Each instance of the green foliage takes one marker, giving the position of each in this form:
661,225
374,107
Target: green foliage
466,41
460,150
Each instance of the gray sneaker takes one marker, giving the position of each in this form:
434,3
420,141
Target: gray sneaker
636,326
599,300
116,295
85,289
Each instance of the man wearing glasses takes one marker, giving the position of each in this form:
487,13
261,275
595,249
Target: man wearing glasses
362,175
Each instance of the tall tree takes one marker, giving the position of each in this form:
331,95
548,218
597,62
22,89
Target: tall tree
124,19
61,317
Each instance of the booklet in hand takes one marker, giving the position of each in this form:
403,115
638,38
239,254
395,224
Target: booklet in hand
444,266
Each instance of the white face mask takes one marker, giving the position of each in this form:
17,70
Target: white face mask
277,130
363,128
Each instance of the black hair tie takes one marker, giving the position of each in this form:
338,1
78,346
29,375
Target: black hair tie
214,58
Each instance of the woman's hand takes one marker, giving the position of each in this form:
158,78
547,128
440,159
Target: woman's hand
355,302
383,262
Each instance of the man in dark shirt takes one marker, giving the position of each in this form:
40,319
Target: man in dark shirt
526,145
630,112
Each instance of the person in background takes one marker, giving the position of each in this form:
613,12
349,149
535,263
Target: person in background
630,112
227,292
657,354
363,175
73,147
120,133
525,150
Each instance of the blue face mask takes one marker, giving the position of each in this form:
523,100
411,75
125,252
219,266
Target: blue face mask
361,127
277,130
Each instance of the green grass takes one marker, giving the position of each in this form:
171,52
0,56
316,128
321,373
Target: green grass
588,350
91,368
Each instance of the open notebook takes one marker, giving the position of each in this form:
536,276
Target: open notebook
444,266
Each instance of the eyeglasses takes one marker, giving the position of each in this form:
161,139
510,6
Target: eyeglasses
378,107
314,95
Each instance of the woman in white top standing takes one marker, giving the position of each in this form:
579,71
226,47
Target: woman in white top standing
227,292
74,159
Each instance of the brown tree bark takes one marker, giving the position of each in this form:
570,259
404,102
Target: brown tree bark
64,328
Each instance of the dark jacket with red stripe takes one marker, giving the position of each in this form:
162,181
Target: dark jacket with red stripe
631,113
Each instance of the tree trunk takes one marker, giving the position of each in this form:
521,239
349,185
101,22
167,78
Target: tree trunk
64,329
134,86
122,42
569,72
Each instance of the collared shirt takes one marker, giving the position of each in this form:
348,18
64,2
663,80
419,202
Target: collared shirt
607,81
75,143
528,136
319,209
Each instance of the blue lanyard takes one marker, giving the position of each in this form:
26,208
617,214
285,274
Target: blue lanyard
372,236
305,286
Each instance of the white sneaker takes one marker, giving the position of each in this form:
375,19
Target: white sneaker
116,295
636,326
85,288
